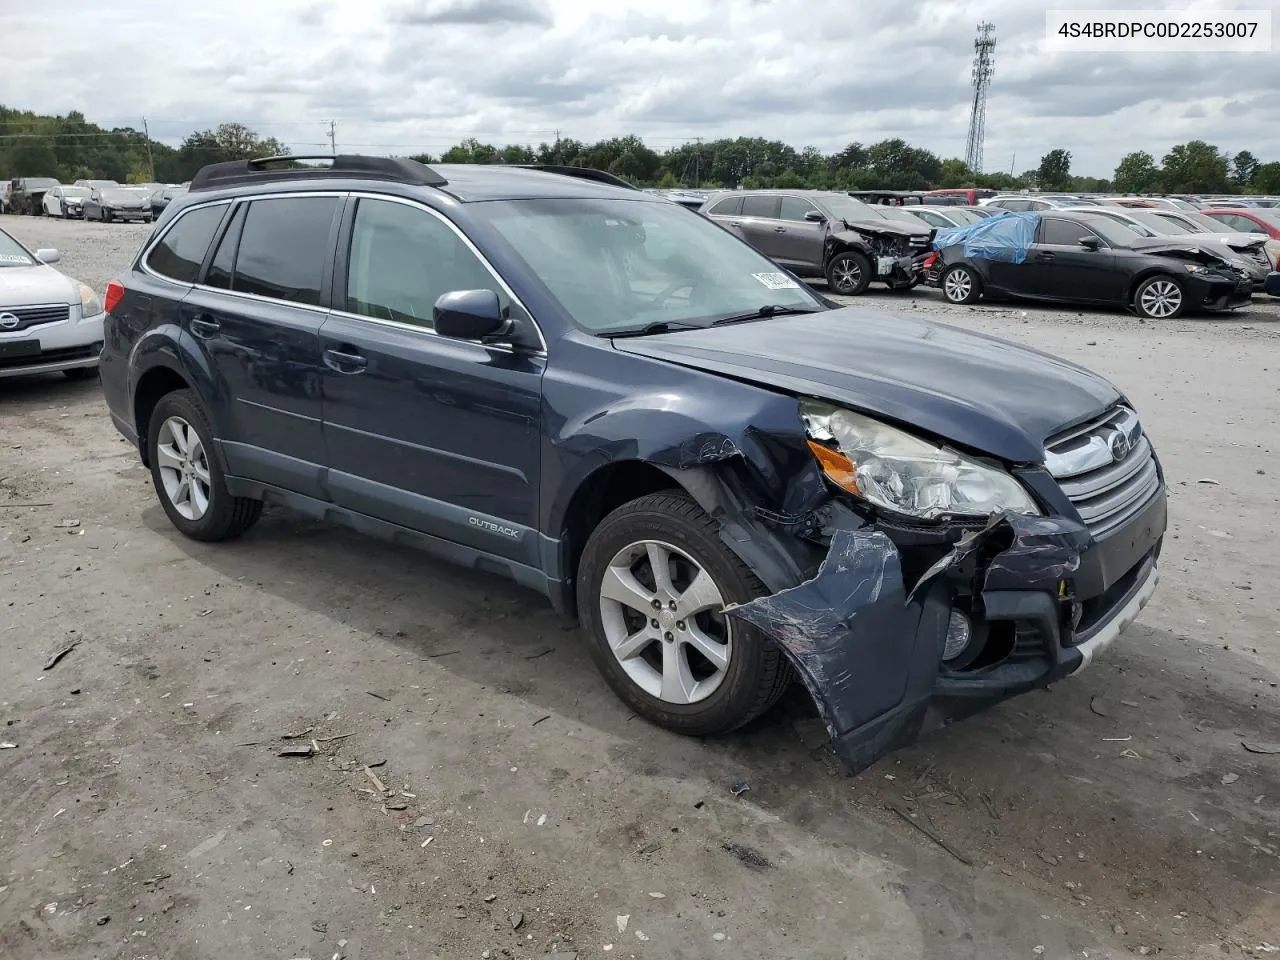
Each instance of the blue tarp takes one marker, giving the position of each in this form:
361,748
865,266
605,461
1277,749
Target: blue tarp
1005,237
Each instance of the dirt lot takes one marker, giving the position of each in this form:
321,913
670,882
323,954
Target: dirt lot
147,813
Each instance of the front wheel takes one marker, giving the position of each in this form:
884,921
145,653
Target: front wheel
652,586
187,476
1160,298
961,285
849,273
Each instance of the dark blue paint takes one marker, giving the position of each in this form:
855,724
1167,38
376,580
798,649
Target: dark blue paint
482,452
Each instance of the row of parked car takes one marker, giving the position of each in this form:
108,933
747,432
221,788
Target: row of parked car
1158,259
103,200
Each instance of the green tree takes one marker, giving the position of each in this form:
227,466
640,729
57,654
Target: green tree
668,181
1266,178
1137,173
1195,167
955,173
900,166
1243,166
1054,172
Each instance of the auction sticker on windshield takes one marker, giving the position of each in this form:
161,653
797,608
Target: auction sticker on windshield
776,281
19,258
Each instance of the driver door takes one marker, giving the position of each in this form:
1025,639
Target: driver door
436,434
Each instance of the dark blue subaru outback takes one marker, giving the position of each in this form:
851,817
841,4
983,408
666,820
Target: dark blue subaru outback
727,478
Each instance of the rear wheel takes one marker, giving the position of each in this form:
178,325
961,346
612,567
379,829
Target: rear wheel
187,476
1160,298
960,284
848,273
652,586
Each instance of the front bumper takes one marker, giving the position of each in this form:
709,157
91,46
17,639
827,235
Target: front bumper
1041,596
132,213
51,347
1219,293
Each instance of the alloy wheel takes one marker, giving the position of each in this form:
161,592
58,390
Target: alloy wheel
184,468
958,285
1161,299
663,619
847,274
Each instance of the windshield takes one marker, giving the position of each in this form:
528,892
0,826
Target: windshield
1110,231
74,192
1161,225
1268,216
1205,224
846,208
118,193
617,265
12,253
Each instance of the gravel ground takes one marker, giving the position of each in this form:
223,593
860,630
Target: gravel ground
147,812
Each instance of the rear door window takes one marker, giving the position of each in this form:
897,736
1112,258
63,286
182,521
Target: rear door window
181,250
284,244
794,208
760,205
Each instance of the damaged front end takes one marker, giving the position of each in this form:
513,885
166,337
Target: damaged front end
909,624
896,253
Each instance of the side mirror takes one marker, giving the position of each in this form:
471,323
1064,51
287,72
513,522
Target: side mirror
48,255
469,314
813,216
1089,243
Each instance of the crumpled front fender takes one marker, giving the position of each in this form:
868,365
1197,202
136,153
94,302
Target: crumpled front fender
869,649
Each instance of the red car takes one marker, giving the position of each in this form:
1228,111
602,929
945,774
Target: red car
1248,219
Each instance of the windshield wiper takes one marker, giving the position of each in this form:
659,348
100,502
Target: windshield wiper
768,310
658,326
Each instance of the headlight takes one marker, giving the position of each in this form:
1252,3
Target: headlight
90,303
903,473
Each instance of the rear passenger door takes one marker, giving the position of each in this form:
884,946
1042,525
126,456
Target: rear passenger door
759,220
436,434
799,242
254,322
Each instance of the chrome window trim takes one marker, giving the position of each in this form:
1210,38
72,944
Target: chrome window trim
475,251
353,194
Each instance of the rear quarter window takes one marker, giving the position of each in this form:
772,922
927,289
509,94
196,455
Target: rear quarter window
181,250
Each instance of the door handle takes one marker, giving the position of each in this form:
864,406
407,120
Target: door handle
345,359
1045,256
779,229
205,327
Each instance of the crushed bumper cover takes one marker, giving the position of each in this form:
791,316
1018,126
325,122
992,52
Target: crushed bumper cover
870,651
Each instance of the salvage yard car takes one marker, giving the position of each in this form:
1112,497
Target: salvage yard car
118,203
727,478
48,322
65,202
1087,258
815,233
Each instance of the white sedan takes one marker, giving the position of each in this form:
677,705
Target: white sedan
48,322
65,202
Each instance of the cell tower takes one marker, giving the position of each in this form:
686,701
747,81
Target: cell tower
984,65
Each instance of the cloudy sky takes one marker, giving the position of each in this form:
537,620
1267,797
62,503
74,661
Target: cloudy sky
419,75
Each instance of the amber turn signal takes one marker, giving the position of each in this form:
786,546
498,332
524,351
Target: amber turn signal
838,468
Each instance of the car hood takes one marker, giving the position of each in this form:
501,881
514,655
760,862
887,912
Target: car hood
30,286
977,391
897,228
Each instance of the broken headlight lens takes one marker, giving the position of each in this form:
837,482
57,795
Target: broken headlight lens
900,472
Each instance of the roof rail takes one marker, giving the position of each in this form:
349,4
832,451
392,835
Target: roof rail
232,173
582,173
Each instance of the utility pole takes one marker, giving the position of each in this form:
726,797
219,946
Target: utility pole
151,164
697,164
1013,160
333,134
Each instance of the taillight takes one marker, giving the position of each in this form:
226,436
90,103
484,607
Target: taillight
929,261
115,293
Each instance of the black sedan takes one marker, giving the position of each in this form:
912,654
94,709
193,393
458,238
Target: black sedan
118,203
1086,258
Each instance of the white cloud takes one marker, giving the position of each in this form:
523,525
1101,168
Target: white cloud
419,75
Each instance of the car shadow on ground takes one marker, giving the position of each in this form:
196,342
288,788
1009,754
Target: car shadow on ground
44,391
1117,773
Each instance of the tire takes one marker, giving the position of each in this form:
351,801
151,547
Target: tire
722,698
848,273
224,516
81,373
960,284
1160,297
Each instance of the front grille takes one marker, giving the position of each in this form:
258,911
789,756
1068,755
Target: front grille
31,316
1105,489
